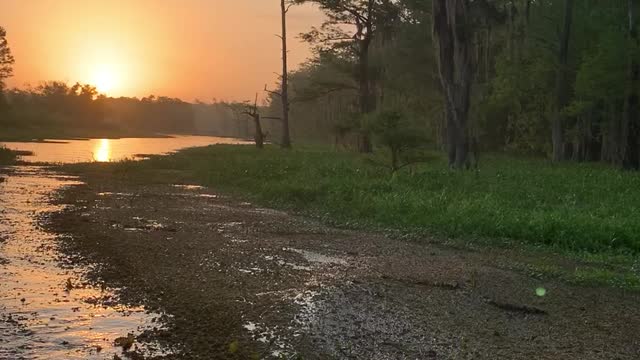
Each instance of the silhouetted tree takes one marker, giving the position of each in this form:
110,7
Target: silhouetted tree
253,112
6,59
284,93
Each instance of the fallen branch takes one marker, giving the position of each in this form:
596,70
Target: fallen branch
518,308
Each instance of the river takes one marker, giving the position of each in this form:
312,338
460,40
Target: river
47,308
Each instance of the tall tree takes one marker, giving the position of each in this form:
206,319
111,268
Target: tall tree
6,59
284,92
365,17
562,86
452,34
631,158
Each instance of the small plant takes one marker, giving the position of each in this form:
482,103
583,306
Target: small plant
234,346
125,342
404,142
68,286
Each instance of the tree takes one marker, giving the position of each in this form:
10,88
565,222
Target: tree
253,112
392,130
562,86
284,93
631,158
6,59
366,17
453,39
557,78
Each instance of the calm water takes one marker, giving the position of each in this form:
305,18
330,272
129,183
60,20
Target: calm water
47,310
103,150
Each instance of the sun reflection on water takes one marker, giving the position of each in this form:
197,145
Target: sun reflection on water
102,151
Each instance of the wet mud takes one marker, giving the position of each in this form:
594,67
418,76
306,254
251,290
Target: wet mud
237,281
48,310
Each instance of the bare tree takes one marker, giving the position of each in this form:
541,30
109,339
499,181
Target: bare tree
252,111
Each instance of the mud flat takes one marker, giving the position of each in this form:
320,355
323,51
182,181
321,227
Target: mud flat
48,310
238,281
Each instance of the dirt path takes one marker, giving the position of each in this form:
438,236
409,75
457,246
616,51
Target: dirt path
238,281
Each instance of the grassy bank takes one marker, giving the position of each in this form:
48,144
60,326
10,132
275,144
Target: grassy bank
573,207
7,157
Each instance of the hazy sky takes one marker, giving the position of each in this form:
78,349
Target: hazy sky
180,48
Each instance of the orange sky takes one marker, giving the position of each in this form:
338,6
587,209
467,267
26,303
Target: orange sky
181,48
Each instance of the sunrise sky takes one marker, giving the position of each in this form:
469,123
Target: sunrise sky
181,48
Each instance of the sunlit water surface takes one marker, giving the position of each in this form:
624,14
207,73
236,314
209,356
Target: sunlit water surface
103,150
47,310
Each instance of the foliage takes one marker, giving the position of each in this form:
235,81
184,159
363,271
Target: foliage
346,21
57,109
515,61
6,59
392,130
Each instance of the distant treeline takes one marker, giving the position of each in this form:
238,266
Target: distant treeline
57,109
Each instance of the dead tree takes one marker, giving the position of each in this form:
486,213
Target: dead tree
252,111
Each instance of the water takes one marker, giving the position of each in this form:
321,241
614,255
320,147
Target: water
104,150
48,311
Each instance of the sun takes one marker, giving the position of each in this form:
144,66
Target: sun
106,79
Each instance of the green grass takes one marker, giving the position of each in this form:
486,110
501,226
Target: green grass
572,207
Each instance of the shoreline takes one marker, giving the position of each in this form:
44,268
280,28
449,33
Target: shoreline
54,138
237,280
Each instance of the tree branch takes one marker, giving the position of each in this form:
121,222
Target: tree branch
271,91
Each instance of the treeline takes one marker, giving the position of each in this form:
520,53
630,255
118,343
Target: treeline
56,109
556,78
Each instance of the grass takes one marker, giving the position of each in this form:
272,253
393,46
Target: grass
571,206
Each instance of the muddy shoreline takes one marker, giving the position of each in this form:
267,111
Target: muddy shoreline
48,310
238,281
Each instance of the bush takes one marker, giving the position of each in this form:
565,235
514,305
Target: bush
403,140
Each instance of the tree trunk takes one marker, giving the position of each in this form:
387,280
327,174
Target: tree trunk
395,162
487,56
286,137
562,85
631,132
510,30
453,40
364,143
259,135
